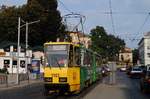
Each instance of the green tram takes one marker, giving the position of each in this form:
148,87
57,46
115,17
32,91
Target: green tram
69,67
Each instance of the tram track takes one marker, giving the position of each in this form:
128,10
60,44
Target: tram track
84,92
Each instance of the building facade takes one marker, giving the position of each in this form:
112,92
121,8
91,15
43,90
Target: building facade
125,56
80,38
9,59
144,49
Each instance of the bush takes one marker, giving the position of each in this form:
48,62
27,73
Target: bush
4,70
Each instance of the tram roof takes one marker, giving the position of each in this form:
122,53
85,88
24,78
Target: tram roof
59,43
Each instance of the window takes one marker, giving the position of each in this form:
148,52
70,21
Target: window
87,58
6,63
15,49
71,56
77,56
148,54
56,55
22,63
14,62
148,47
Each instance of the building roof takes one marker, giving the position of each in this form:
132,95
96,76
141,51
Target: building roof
80,34
147,34
126,50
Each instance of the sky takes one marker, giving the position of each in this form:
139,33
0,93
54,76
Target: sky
128,15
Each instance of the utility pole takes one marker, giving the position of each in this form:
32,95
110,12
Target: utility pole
18,46
18,51
26,55
27,24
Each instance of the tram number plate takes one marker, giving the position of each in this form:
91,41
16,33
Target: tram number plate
55,75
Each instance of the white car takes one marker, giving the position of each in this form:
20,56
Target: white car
136,72
123,69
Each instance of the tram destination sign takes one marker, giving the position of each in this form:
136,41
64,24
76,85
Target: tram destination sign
56,47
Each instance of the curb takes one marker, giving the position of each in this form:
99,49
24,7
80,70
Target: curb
21,85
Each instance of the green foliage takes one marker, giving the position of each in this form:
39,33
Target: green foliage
106,45
4,70
48,29
135,56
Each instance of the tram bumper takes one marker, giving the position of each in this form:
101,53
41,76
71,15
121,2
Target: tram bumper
57,87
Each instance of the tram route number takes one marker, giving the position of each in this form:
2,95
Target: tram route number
55,75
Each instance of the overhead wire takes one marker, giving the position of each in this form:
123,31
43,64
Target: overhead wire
141,27
76,15
65,7
111,15
128,13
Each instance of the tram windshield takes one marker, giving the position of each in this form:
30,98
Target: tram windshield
56,55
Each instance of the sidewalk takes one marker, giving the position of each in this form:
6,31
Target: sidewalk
104,91
22,84
107,91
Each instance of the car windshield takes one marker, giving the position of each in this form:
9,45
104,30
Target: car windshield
136,69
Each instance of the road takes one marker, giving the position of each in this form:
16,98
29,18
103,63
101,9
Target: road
125,88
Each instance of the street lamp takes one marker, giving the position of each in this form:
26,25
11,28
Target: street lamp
18,45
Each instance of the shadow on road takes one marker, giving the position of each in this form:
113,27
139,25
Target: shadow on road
84,92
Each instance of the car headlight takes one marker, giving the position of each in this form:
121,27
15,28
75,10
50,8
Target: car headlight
48,79
62,79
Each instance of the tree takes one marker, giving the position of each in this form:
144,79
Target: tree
8,23
106,45
98,37
135,56
50,20
48,29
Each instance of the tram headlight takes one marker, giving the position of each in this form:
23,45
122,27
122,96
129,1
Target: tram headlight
62,79
48,79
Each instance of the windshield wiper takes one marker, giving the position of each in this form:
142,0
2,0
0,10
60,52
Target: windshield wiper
57,62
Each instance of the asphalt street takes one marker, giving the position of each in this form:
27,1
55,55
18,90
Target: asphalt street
125,88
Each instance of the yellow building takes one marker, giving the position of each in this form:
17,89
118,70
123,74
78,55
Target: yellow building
78,37
125,56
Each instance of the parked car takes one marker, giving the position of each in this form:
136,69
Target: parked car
145,82
148,67
128,70
123,69
105,70
143,67
136,72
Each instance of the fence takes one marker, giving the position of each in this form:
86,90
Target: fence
23,77
3,79
10,79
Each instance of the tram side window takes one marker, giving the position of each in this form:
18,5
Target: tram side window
6,63
87,59
98,61
90,59
71,56
77,56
